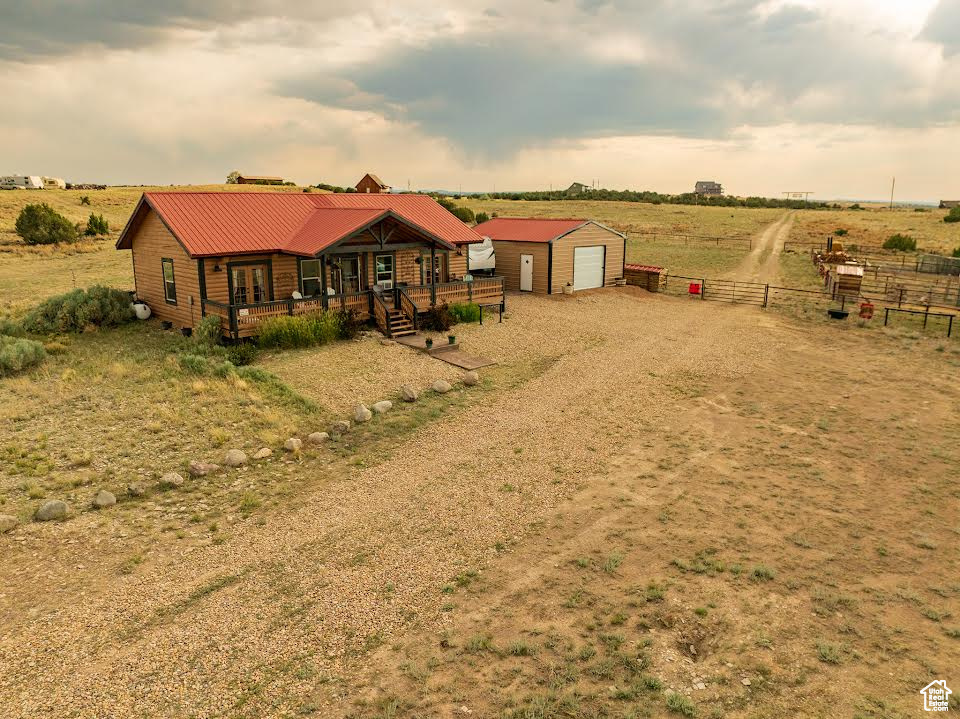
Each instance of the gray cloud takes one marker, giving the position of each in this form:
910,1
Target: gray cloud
704,71
943,26
61,27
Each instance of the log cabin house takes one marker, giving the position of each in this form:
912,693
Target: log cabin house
246,257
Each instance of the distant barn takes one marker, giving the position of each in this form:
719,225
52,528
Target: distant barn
949,204
259,180
577,188
370,183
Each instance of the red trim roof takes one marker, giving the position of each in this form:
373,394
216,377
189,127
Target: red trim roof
527,229
210,224
643,268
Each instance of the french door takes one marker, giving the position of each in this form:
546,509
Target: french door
345,275
249,284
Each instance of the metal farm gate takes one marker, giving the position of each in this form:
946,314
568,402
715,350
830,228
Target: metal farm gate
733,291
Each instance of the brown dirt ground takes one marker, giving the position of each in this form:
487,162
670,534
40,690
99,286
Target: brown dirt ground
643,475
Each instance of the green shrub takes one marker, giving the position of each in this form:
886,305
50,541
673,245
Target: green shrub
437,319
482,217
73,311
96,225
84,199
956,251
465,312
290,332
464,214
348,324
681,704
840,232
904,243
242,353
208,332
953,215
11,328
40,224
17,354
197,364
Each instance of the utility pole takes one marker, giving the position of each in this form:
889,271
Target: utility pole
892,185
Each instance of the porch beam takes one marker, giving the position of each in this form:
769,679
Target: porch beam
323,280
433,274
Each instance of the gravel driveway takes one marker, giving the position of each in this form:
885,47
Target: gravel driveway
254,626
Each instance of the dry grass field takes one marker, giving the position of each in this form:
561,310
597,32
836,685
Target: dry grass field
874,225
650,507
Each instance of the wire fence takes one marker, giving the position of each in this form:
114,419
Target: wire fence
731,242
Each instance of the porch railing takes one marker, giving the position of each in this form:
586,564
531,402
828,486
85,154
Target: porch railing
244,320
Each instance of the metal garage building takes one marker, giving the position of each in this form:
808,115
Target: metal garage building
544,255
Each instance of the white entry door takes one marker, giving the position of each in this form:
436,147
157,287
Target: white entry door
526,273
588,267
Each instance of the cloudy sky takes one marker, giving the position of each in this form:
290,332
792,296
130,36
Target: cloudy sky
829,96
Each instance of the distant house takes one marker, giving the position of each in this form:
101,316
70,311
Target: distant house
708,187
544,255
577,188
949,204
372,184
259,180
53,183
21,182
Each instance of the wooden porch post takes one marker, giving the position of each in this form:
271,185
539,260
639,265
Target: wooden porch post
433,276
323,281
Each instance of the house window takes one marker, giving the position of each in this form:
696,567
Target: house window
384,271
310,278
169,284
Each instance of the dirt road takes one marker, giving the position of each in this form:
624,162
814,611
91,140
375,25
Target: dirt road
763,263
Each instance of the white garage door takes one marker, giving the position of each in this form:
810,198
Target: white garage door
588,267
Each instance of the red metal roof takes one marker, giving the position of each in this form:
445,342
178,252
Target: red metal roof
526,229
420,210
643,268
211,224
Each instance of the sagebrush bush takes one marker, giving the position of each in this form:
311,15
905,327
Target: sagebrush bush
904,243
482,217
40,224
71,312
242,353
10,328
464,214
437,319
17,354
96,225
953,215
465,312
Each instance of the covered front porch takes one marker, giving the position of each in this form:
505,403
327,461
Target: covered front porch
395,311
389,271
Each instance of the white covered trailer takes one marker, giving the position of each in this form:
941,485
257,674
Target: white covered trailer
481,256
21,182
53,183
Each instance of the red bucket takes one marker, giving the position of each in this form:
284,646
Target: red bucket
694,288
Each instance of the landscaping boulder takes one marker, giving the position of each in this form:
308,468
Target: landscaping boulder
171,480
235,458
382,407
51,510
339,427
317,437
136,489
386,342
293,444
471,378
408,393
104,499
441,386
361,413
202,469
7,522
263,453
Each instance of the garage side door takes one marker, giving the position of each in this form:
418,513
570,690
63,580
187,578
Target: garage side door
588,267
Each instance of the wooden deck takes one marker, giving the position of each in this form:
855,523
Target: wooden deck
406,301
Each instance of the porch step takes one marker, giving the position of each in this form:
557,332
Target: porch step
403,333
